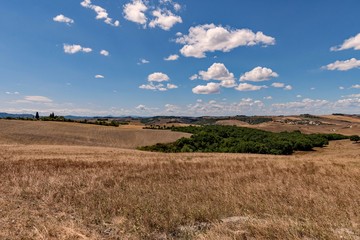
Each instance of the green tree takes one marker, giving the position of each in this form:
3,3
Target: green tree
355,138
37,115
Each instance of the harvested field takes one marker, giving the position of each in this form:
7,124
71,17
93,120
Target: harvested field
60,133
233,123
346,125
343,118
343,128
57,191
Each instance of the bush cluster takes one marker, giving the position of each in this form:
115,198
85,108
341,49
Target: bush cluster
231,139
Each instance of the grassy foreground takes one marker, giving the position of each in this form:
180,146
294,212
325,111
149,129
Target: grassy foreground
63,192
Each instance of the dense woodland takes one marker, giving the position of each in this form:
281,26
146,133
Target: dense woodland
231,139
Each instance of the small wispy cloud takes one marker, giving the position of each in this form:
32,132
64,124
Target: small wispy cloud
104,53
143,61
72,49
62,19
249,87
173,57
288,87
12,93
35,99
101,13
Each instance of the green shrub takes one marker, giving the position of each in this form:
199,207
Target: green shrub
213,138
355,138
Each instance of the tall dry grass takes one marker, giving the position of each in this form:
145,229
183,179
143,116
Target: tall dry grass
62,192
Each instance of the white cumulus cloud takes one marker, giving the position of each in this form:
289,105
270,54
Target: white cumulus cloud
86,50
357,86
352,102
72,49
210,38
249,87
155,82
141,107
101,13
177,7
259,74
164,19
194,77
353,42
61,18
343,65
171,86
104,53
217,71
99,76
306,103
288,87
152,86
281,85
158,87
209,88
158,77
172,57
135,12
278,85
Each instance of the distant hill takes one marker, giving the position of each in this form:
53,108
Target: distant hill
5,115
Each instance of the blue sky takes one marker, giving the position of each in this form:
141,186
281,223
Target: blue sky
167,57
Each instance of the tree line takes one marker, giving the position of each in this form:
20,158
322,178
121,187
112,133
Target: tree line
232,139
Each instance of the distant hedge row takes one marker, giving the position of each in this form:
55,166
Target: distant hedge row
231,139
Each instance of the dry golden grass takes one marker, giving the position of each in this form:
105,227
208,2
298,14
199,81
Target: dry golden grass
332,124
61,192
233,123
94,192
340,127
60,133
342,118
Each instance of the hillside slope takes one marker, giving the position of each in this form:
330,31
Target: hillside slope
60,133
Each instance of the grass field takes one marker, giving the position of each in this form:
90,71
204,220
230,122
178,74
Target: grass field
332,124
60,181
61,133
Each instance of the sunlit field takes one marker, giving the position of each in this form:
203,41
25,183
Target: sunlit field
55,186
